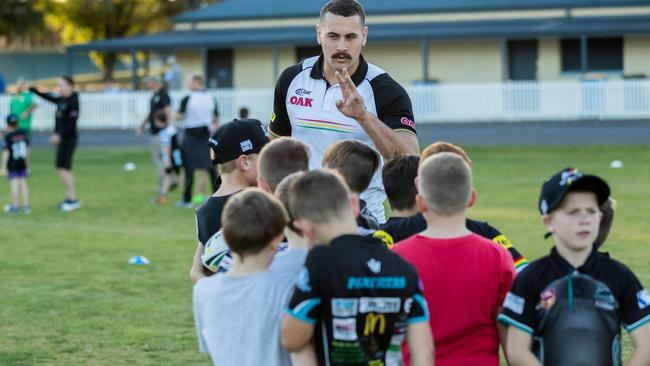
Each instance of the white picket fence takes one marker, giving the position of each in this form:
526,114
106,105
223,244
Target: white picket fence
467,102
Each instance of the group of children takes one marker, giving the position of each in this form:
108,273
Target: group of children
313,278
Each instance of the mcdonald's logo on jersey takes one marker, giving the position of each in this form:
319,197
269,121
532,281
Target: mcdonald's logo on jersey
375,324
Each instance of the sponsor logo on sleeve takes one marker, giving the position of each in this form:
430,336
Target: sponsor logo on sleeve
302,283
379,305
407,122
272,116
344,329
344,307
514,303
643,299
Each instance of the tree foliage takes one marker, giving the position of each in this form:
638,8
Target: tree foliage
81,21
19,17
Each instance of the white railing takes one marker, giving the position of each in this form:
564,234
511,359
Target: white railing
468,102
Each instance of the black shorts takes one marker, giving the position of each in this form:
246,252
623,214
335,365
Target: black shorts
64,152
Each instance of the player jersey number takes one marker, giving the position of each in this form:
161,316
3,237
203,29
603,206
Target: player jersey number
19,150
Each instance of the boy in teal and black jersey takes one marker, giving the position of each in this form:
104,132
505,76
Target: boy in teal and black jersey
567,308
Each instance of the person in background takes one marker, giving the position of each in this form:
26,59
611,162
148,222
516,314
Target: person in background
199,110
15,157
160,101
172,78
22,105
243,112
65,136
170,151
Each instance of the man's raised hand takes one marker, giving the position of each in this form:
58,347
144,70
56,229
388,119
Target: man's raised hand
351,103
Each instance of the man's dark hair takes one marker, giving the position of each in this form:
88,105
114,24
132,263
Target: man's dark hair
355,161
68,79
399,181
243,112
344,8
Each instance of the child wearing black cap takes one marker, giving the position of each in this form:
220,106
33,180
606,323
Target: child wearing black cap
573,302
234,149
15,156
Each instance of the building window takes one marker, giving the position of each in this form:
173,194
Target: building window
603,54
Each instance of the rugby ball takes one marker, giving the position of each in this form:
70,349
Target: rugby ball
216,256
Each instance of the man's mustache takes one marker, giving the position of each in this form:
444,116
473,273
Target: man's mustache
342,54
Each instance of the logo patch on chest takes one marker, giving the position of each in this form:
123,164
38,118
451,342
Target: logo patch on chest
301,101
547,298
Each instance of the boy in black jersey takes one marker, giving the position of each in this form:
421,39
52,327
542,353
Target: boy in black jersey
567,308
357,163
234,149
15,155
358,300
399,182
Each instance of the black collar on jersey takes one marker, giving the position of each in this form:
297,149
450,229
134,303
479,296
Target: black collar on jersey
588,267
352,239
357,77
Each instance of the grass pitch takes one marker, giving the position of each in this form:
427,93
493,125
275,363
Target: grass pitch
68,296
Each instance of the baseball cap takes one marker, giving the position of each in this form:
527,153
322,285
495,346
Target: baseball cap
12,118
238,137
569,179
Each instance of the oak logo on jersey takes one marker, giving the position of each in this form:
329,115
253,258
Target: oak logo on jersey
375,324
301,101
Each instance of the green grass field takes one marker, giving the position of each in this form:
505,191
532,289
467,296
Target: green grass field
68,296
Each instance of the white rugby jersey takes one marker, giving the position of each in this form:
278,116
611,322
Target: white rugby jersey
305,108
199,108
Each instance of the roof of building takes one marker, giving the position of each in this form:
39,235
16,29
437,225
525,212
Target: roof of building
264,9
228,38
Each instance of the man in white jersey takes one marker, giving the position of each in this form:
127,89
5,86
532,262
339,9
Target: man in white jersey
201,115
339,96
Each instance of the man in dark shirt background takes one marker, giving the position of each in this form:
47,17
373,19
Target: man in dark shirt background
160,101
65,136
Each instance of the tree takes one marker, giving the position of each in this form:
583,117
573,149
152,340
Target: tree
80,21
19,17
